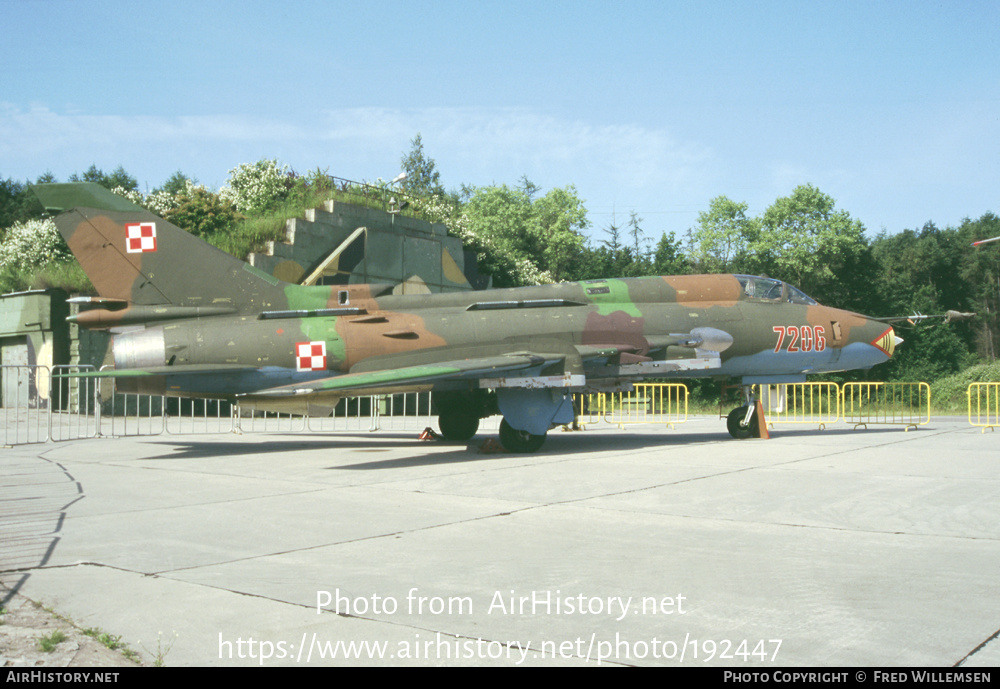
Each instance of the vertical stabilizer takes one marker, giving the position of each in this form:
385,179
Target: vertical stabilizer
133,255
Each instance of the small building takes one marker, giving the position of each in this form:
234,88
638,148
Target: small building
342,243
33,333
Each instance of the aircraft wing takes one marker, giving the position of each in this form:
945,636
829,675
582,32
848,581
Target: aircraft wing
409,377
159,371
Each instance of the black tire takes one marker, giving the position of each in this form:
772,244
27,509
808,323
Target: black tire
519,441
458,426
734,422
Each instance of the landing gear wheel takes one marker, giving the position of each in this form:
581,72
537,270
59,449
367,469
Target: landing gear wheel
519,441
458,426
737,429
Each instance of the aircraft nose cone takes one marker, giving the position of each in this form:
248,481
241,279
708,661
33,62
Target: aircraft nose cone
887,341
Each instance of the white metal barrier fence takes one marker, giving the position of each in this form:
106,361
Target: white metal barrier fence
25,410
39,404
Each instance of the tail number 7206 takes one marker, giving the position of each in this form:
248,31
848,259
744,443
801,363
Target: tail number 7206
800,338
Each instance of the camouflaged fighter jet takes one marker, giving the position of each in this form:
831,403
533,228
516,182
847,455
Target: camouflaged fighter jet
194,321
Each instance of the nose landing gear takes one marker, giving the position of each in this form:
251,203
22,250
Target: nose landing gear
746,421
742,422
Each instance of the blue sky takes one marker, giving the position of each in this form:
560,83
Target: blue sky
891,108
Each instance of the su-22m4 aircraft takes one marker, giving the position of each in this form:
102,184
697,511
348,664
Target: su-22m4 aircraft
193,321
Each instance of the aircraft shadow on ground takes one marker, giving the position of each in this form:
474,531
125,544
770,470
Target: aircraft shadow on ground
441,452
431,452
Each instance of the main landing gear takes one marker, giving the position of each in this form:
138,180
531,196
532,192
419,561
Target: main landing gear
528,413
459,412
514,440
458,426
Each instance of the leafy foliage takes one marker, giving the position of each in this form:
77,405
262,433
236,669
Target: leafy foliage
203,213
177,183
422,177
523,241
117,178
807,241
17,203
950,393
723,239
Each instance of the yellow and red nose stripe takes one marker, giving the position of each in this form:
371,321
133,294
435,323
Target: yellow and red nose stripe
886,342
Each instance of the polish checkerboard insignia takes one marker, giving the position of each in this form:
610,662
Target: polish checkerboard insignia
310,356
140,237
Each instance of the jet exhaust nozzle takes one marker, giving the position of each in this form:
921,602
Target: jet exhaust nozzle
140,349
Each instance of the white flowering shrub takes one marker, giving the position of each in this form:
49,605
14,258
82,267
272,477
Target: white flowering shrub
32,244
158,202
256,186
133,195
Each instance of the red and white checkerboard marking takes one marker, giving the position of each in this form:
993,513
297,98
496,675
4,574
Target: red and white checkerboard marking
310,356
140,237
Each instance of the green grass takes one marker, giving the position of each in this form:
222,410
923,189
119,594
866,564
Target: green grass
68,276
108,640
49,643
950,394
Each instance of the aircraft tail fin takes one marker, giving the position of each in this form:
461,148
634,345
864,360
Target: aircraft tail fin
134,256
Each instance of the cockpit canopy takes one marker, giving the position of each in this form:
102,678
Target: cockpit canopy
769,289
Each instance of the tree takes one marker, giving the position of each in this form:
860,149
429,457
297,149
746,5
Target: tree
669,258
805,240
17,203
721,242
981,276
177,183
528,187
118,178
203,213
422,177
520,241
636,232
614,232
559,218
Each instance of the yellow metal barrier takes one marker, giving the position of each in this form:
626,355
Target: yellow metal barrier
662,403
903,404
986,407
803,403
588,407
820,403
